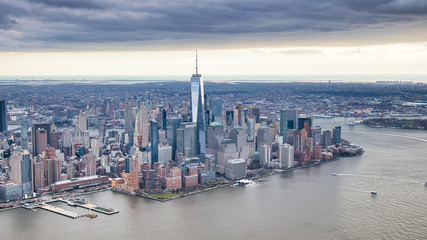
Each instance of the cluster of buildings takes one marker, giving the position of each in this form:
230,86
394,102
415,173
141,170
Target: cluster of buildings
143,145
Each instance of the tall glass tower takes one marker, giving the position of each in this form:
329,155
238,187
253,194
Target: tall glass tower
3,116
198,110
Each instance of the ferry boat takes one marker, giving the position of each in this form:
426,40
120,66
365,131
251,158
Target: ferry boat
243,182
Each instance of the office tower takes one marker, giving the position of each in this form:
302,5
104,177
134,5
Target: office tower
165,154
255,113
327,138
3,115
40,139
292,118
143,112
302,122
154,140
102,125
336,135
216,107
316,134
129,127
283,125
239,120
263,137
189,138
215,136
172,125
164,121
54,138
82,123
90,165
20,163
52,166
251,126
286,155
227,151
24,133
265,155
238,135
198,110
235,169
38,176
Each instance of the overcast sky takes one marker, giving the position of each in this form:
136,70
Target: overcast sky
85,37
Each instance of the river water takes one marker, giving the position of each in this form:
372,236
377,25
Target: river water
306,203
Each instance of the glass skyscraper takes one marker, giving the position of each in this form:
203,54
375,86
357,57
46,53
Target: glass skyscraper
198,110
3,116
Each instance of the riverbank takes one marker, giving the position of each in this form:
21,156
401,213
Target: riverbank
418,124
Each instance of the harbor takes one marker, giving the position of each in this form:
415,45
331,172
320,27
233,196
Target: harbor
74,203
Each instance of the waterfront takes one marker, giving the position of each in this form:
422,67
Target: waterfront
306,203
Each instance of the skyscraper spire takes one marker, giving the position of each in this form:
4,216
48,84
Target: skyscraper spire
197,67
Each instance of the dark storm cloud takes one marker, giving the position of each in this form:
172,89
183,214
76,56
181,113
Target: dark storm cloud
76,24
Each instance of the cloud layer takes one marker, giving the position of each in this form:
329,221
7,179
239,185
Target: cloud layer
45,25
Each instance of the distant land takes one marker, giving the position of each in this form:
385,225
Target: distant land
132,79
397,123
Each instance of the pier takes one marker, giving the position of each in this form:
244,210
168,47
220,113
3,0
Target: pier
60,211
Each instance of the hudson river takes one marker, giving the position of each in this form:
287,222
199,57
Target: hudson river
306,203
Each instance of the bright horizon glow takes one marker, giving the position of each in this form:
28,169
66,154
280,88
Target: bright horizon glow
401,58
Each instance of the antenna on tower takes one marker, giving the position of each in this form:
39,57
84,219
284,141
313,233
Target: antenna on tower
197,67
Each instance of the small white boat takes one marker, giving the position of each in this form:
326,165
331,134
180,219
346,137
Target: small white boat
334,174
351,122
373,193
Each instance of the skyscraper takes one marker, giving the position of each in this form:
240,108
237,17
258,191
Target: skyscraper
154,139
143,114
24,133
40,137
292,118
3,116
283,124
198,110
129,127
254,112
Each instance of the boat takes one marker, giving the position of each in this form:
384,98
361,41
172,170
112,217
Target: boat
373,193
351,122
334,174
243,182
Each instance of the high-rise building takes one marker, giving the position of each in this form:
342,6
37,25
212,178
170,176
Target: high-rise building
198,110
173,124
292,118
283,124
265,155
255,113
24,133
302,121
82,123
90,164
102,125
143,114
3,115
52,166
327,138
336,135
21,173
216,110
154,140
40,139
286,155
129,125
251,126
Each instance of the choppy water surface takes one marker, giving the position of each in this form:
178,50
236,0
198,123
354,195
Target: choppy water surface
303,204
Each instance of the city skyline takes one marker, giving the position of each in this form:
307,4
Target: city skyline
159,38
